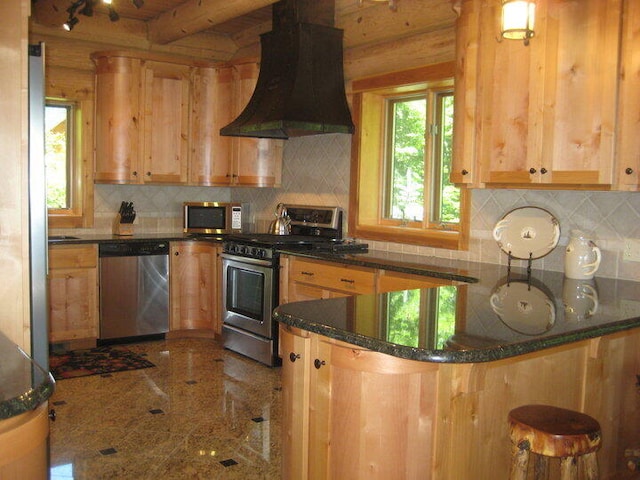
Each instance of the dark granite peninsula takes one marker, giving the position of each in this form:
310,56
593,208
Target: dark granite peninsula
418,383
24,422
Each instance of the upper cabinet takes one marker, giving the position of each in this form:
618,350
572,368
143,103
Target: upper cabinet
220,94
546,114
158,122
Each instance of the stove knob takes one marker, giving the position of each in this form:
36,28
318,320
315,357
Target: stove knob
243,249
260,252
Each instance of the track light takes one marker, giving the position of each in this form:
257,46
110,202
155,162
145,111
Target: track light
113,15
69,24
138,3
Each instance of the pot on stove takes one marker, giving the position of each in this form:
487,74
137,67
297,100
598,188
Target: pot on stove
282,224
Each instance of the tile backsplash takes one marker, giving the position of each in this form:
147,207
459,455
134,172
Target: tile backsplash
316,172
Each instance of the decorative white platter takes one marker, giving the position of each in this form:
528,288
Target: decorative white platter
527,233
524,308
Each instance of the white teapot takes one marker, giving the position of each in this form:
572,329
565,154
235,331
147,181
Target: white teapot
582,257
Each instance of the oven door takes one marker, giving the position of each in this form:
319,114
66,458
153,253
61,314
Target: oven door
248,294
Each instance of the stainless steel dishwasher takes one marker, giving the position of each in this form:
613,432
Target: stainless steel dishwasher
134,289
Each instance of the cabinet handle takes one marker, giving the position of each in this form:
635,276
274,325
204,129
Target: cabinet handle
309,274
532,170
135,173
543,170
318,363
464,172
148,174
628,170
52,415
177,253
294,356
347,280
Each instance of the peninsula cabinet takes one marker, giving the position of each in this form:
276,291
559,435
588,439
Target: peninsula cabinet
193,286
73,292
542,115
354,413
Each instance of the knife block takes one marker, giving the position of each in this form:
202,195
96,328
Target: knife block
122,229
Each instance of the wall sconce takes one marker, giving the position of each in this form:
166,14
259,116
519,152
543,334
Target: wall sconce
518,18
392,3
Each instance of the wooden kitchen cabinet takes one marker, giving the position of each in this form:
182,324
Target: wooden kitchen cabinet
544,114
193,286
348,410
166,91
158,122
235,160
311,279
142,115
628,140
73,292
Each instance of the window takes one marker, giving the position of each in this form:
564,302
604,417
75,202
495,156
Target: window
68,159
58,121
402,158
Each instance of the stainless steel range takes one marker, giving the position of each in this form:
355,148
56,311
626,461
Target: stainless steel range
250,264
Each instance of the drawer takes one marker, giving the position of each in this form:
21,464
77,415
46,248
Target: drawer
73,256
356,280
389,281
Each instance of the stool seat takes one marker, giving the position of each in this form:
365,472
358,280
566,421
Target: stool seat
553,432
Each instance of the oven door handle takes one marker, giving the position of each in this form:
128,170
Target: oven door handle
250,261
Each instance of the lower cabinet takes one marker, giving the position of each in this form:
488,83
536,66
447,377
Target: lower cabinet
193,286
352,413
73,292
24,446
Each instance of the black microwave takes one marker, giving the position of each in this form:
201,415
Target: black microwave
212,217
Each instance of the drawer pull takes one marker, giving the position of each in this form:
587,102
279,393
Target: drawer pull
347,280
309,274
294,356
318,363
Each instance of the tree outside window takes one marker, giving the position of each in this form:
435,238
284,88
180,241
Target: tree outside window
58,154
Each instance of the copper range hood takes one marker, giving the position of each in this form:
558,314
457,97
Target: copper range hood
300,88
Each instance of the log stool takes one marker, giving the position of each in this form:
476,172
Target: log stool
553,432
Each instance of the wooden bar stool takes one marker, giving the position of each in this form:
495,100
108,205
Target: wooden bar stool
553,432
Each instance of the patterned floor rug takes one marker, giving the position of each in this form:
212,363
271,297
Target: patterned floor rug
95,361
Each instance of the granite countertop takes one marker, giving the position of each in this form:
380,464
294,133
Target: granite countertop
23,384
142,237
497,314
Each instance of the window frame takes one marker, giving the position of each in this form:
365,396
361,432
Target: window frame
72,113
80,212
366,214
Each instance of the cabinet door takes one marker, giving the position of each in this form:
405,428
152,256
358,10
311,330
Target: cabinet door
117,120
212,97
295,349
73,293
628,150
256,161
193,286
166,122
547,111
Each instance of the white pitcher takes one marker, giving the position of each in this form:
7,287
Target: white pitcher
582,257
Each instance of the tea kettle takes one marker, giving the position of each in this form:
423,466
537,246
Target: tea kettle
282,224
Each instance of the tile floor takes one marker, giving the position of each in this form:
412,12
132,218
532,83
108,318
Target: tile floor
201,413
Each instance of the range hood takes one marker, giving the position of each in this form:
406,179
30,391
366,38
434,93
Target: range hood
300,89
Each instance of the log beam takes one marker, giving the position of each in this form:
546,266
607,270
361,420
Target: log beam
197,15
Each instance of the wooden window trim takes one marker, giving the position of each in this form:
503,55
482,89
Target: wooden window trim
368,142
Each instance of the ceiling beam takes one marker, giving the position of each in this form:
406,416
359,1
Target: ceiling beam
196,15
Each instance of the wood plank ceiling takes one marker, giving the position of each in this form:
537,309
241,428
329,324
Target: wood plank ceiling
226,29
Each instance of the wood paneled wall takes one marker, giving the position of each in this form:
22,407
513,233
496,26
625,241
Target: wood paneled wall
14,229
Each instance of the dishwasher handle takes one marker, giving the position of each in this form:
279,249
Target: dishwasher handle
132,249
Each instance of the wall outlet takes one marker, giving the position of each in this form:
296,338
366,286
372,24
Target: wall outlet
631,250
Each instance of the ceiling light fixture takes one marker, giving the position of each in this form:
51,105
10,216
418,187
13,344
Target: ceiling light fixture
86,8
518,19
